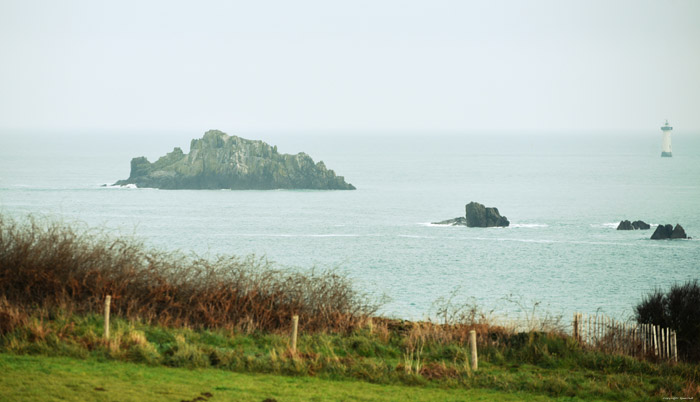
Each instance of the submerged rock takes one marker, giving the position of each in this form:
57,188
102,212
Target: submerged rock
220,161
458,221
636,225
480,216
669,232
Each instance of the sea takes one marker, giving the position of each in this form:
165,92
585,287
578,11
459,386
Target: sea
563,192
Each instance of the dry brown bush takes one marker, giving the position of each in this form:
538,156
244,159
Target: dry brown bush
44,264
11,317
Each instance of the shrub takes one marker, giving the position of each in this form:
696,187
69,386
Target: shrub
678,309
48,264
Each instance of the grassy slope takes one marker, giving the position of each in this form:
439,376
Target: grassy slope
329,364
39,378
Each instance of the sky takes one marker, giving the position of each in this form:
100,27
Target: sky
350,66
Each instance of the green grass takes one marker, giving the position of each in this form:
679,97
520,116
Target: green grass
542,364
40,378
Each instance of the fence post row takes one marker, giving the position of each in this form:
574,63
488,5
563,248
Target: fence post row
606,334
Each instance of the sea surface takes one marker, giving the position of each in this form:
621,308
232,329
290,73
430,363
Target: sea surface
564,194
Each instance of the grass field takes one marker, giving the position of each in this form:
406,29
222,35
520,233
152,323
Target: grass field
64,356
40,378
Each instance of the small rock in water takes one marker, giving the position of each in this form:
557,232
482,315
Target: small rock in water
641,225
625,225
636,225
678,232
477,216
669,232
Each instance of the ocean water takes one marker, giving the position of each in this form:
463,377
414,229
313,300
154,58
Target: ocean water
564,194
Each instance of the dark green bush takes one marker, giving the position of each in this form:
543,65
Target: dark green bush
678,309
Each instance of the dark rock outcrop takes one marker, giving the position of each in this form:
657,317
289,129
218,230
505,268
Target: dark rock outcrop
219,161
636,225
480,216
678,232
669,232
641,225
477,216
625,225
662,232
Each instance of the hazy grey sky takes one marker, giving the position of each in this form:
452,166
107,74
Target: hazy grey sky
354,65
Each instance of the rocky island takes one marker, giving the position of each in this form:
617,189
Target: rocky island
220,161
478,216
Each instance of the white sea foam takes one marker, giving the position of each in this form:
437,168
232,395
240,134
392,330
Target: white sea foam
528,225
127,186
549,241
430,224
609,225
293,235
512,225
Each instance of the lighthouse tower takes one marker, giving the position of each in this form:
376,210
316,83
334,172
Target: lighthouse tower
666,141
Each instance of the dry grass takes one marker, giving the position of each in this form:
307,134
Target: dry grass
45,264
11,317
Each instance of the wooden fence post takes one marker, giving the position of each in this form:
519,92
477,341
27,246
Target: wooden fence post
595,330
614,335
108,301
675,347
656,345
663,343
472,344
588,332
650,342
295,326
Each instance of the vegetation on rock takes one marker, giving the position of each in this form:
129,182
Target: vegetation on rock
220,161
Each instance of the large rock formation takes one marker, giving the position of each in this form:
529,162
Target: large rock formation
477,215
219,161
669,232
636,225
480,216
